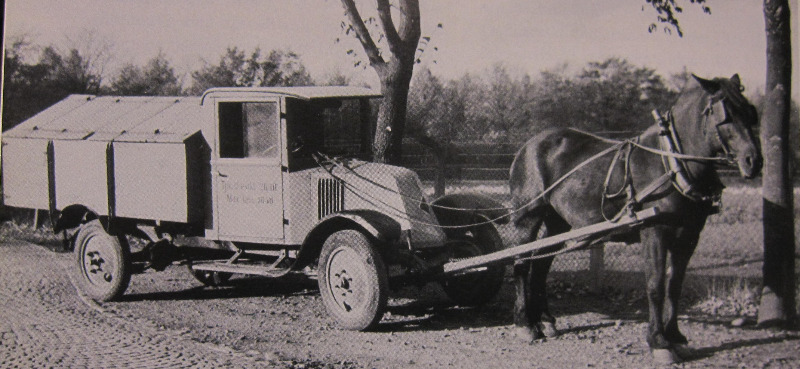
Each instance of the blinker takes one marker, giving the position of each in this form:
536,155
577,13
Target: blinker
718,114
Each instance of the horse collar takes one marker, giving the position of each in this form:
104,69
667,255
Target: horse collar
682,179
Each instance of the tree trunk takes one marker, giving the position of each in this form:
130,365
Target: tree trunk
395,79
395,74
778,293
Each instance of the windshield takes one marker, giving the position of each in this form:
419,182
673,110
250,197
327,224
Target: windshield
334,127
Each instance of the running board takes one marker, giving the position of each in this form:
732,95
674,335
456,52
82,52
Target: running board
455,267
264,271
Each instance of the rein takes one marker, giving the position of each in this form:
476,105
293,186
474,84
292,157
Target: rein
322,159
670,150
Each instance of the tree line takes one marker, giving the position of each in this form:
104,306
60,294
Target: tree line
33,83
503,109
499,105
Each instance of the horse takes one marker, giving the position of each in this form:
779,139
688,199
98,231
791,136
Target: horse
709,118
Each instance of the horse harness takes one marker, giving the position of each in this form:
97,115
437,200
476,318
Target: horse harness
674,162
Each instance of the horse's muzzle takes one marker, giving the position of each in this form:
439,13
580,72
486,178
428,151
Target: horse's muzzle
750,164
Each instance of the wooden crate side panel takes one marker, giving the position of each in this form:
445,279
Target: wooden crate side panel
25,173
150,181
81,175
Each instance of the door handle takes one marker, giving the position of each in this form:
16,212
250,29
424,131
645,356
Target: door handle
223,175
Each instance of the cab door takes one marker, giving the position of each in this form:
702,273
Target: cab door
248,185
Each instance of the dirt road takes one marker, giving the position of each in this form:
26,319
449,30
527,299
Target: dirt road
167,320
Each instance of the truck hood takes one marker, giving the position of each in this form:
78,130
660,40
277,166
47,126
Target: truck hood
394,191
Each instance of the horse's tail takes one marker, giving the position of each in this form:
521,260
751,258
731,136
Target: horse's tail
526,184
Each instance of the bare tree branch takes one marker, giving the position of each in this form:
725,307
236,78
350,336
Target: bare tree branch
363,33
385,15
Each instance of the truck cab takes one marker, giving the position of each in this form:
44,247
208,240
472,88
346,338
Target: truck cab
285,160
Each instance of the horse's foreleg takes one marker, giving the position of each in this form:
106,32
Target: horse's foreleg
680,254
654,240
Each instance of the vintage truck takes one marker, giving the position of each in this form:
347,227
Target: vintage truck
254,181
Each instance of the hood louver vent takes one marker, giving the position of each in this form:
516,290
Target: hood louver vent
330,197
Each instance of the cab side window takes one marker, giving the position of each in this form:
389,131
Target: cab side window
249,130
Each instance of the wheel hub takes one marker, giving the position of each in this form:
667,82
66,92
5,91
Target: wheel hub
95,262
343,283
98,269
346,279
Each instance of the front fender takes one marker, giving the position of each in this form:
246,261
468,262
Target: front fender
376,225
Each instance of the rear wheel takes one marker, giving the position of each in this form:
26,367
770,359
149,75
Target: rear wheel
478,287
352,280
103,262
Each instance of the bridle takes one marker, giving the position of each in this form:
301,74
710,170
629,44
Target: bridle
716,113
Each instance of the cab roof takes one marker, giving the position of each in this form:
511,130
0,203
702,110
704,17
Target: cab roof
301,92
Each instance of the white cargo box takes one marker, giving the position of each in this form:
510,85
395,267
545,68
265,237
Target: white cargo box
130,157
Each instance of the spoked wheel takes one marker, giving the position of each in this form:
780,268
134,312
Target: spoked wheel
352,280
103,262
208,278
475,288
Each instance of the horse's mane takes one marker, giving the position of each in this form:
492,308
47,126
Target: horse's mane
732,91
728,89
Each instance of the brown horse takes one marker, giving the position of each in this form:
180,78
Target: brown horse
711,117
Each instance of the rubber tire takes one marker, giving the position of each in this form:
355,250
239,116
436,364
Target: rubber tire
116,256
480,287
210,279
351,251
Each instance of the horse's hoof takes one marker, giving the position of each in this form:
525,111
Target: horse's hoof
549,329
526,334
683,351
665,357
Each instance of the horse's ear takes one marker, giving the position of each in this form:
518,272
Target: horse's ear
735,80
708,85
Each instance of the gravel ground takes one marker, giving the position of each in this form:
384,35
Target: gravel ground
167,319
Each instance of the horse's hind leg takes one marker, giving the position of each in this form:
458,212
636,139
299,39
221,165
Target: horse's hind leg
523,303
539,270
532,316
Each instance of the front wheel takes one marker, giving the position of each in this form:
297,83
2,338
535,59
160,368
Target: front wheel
352,280
103,263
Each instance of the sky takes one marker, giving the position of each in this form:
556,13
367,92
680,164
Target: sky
525,36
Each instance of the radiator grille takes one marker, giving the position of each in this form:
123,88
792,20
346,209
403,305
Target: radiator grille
330,197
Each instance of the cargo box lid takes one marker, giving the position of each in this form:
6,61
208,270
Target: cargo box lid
115,118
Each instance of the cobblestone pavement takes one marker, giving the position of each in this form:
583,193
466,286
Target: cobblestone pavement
44,323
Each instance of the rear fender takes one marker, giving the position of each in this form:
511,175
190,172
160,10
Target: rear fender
378,226
69,221
72,217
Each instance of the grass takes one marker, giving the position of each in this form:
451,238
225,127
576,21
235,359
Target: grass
27,232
